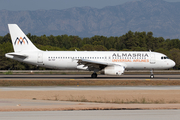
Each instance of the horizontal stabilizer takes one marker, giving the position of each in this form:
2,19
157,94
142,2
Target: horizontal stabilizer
13,54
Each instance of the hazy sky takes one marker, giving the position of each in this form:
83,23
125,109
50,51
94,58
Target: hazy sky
17,5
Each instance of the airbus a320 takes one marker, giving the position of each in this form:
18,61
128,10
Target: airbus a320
110,62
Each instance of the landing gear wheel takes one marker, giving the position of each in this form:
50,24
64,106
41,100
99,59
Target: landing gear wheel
151,76
94,75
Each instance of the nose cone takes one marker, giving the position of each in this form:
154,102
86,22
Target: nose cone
172,63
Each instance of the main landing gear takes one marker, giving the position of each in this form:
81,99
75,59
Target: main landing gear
94,75
152,75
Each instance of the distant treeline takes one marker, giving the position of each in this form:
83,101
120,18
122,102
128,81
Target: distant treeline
131,41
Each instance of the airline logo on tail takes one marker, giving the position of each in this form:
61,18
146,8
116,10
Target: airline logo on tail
20,40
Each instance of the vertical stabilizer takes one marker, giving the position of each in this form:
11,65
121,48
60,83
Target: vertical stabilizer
19,40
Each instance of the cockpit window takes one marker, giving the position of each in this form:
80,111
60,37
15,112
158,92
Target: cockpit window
164,57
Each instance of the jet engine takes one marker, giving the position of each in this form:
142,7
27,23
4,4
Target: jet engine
114,70
82,67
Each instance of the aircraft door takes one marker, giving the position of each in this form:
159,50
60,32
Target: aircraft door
109,59
152,59
40,57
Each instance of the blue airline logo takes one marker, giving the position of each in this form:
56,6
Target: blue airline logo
20,40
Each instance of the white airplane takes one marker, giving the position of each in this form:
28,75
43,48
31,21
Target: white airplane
110,62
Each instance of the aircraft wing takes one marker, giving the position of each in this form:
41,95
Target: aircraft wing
91,65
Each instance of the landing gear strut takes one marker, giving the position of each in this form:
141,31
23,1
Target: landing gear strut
94,75
152,75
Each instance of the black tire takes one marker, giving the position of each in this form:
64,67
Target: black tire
151,76
94,75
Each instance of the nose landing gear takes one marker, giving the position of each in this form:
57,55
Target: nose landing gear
152,75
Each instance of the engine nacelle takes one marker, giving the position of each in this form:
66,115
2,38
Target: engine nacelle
82,67
114,70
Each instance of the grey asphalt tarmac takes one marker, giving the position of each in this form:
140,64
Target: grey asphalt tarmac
39,88
88,77
93,115
38,103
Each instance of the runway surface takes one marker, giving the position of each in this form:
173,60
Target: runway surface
87,77
93,115
86,115
89,88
